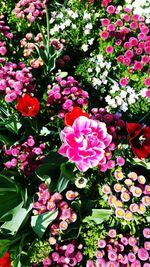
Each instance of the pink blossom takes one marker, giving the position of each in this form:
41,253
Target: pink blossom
146,232
136,264
147,82
90,263
120,161
143,254
109,49
105,22
119,22
84,142
104,35
123,81
138,65
110,9
129,54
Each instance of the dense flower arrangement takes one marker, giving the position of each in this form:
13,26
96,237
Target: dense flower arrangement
74,133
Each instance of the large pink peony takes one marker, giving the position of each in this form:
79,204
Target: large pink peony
84,142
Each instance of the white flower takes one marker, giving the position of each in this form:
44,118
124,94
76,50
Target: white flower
123,94
90,70
115,88
60,15
74,26
87,31
97,69
86,16
89,26
124,107
90,41
75,15
62,26
81,182
100,58
107,98
67,22
84,47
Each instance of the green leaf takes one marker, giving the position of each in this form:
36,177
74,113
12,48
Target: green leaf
98,215
144,163
10,194
13,125
19,215
4,245
40,222
42,54
65,176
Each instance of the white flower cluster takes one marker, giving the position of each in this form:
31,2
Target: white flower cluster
120,98
100,72
67,21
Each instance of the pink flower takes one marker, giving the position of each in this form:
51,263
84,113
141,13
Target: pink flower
123,81
120,58
111,27
90,263
120,161
129,54
112,233
134,25
104,35
126,61
147,245
146,232
105,22
112,256
136,264
131,257
145,59
84,142
110,9
101,243
100,263
119,22
147,82
138,65
143,254
109,49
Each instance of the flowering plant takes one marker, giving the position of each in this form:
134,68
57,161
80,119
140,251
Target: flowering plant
74,133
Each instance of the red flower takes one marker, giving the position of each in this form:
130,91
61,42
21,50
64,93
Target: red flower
28,106
74,114
5,260
139,138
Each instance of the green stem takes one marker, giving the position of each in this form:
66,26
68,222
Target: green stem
48,26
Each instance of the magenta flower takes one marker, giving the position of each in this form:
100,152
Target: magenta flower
112,233
131,257
112,256
143,254
84,142
136,264
104,35
101,243
109,49
146,232
90,263
120,161
147,82
147,245
100,263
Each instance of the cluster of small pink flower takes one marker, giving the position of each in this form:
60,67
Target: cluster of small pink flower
32,9
15,80
121,250
115,127
65,255
50,202
129,197
132,33
5,30
26,156
65,95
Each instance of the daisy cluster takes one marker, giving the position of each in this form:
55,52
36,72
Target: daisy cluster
129,196
118,249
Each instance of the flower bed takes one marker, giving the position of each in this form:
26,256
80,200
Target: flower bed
74,133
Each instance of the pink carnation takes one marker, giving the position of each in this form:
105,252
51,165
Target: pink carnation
84,142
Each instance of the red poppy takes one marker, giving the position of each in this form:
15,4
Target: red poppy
28,106
5,260
139,138
74,114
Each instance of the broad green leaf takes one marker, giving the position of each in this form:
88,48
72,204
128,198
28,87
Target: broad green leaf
98,215
19,215
4,245
40,222
10,194
65,176
143,163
